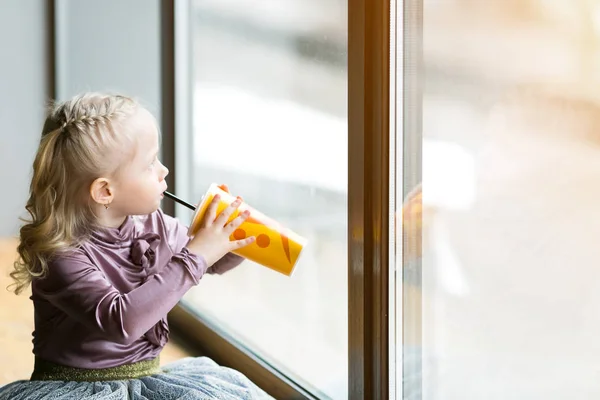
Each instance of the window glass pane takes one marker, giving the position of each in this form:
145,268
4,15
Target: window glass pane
509,286
270,121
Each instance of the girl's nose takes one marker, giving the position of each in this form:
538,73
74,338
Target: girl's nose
164,171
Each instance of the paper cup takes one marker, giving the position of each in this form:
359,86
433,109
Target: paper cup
276,247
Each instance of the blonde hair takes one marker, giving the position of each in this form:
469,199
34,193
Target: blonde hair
78,138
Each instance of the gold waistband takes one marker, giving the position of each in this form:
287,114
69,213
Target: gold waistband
48,371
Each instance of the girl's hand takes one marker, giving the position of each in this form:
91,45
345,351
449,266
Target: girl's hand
212,239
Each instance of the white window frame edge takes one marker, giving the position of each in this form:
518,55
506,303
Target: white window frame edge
395,204
184,108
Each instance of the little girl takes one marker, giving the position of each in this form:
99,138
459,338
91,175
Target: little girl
106,265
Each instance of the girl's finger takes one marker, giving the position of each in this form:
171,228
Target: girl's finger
226,213
237,221
238,244
211,212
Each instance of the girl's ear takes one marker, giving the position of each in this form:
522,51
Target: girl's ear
101,191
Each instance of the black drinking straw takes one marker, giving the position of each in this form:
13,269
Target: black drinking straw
177,199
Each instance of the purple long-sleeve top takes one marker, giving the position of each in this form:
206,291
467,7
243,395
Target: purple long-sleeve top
105,303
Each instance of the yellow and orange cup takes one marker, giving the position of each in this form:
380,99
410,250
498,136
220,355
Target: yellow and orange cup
276,247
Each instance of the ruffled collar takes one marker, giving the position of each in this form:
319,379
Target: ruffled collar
121,235
143,247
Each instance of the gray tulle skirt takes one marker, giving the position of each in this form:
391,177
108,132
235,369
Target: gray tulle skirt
188,378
